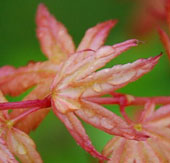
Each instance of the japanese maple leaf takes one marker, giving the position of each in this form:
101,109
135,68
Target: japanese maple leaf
155,123
77,81
57,45
147,15
163,36
15,142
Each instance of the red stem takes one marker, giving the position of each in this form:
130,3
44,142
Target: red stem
46,102
128,100
163,100
122,110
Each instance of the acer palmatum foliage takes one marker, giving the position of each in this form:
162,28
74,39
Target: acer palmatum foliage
155,123
14,142
69,83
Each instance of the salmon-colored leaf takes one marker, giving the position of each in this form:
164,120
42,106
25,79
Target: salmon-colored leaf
55,41
106,120
78,132
17,81
95,36
79,66
160,118
147,112
22,146
155,149
5,155
109,80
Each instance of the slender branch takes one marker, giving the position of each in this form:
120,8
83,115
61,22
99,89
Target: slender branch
46,102
105,100
117,99
122,110
162,100
132,100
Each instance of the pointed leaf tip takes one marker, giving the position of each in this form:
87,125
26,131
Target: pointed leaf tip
54,39
121,47
95,37
155,59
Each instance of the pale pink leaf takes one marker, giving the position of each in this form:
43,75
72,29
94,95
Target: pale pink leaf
55,41
95,36
160,135
105,120
16,82
159,142
153,150
78,132
64,104
111,145
126,152
5,155
23,146
117,150
160,118
162,153
79,66
111,79
146,153
147,112
123,150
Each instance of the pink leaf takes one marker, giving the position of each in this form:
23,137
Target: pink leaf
55,41
5,155
22,146
122,150
16,82
160,118
76,129
95,36
109,80
105,120
147,112
79,66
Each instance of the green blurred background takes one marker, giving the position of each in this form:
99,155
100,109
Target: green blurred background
18,45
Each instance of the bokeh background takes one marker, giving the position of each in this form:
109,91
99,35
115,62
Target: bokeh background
19,45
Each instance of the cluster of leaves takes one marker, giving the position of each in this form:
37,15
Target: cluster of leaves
69,84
